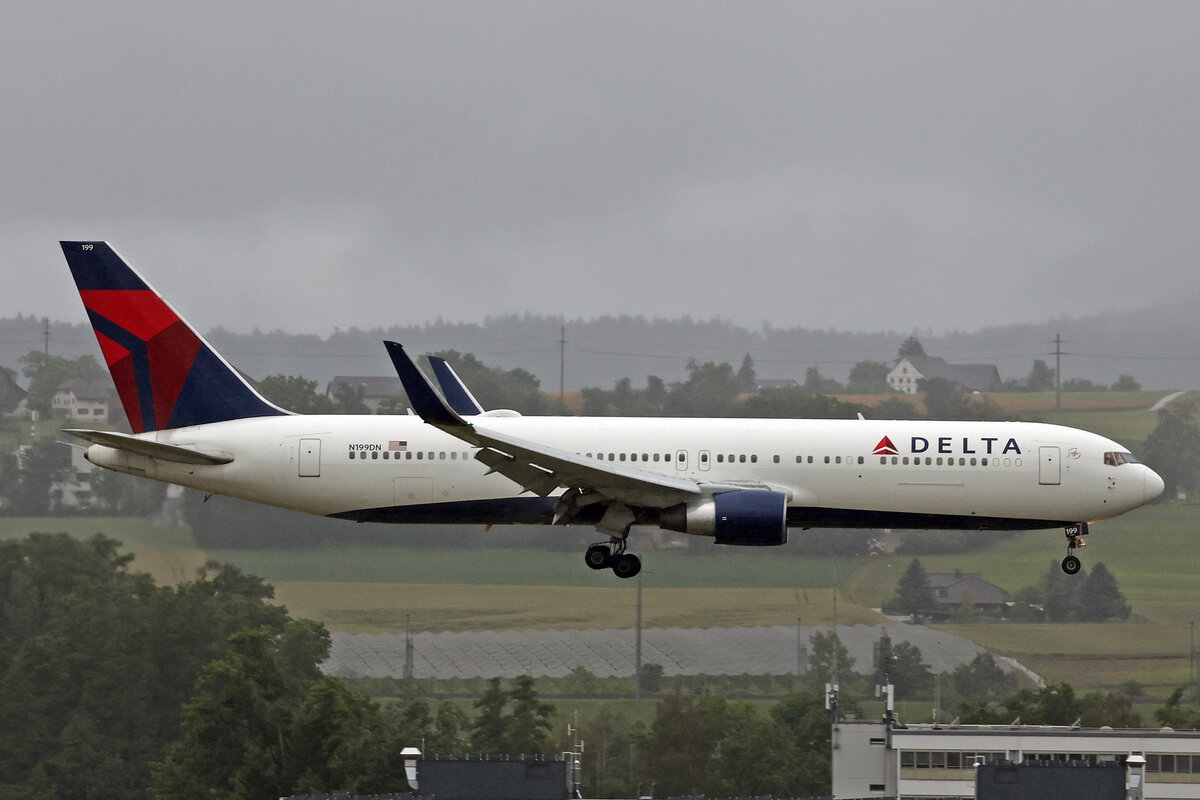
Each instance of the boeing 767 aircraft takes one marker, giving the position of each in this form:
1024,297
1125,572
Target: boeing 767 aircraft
196,422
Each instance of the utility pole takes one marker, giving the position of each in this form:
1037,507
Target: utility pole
1058,372
637,667
408,649
46,335
562,368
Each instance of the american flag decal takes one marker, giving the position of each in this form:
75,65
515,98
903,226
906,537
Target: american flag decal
397,446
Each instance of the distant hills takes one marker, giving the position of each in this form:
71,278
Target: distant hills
1160,347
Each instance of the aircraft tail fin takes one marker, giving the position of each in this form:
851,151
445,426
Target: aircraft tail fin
166,374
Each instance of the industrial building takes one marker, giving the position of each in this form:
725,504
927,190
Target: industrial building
881,759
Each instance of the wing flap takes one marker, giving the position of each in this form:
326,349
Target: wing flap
149,448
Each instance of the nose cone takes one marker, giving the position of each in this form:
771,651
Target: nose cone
1153,485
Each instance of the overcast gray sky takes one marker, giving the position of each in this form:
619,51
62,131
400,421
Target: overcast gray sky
863,166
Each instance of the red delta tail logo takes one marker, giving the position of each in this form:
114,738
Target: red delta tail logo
885,448
148,349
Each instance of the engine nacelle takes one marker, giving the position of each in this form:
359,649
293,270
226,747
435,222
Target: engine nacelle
743,516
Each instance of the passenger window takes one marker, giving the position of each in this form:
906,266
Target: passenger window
720,458
754,459
374,455
776,459
656,456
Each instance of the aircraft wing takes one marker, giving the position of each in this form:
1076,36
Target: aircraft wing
147,447
537,467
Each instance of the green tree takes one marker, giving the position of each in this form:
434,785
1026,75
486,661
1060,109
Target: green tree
338,742
488,730
1060,593
678,753
910,674
96,662
709,391
527,726
1173,447
1175,712
1114,709
1041,377
650,678
38,466
817,383
981,679
746,377
1100,598
894,407
295,393
911,348
236,729
348,398
1126,383
869,377
806,730
914,593
827,658
943,400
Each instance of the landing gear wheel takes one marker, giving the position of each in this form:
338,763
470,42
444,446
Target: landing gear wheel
626,565
598,556
1071,565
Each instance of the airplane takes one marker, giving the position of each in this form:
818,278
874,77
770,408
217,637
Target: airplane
198,423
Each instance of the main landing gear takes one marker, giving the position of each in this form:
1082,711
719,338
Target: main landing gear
1074,534
612,555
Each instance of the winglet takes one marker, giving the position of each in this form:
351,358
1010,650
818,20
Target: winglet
425,401
455,391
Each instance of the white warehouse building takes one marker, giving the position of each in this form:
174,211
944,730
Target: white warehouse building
877,759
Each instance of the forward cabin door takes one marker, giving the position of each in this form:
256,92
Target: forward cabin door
310,458
1049,466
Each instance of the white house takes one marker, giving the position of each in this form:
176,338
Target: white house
911,370
84,400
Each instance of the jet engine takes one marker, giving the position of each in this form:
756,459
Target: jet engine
742,516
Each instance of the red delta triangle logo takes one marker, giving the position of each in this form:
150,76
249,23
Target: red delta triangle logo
885,448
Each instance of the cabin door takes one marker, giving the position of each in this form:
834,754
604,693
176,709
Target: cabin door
310,458
1049,466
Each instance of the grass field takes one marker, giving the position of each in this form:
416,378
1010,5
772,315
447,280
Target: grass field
372,589
383,608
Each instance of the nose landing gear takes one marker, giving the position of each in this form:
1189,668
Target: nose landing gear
1074,533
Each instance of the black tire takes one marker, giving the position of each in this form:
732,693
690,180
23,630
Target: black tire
1071,565
598,556
626,565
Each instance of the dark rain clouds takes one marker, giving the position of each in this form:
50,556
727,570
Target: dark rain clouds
858,166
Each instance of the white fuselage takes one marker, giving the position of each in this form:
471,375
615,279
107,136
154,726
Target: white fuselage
853,473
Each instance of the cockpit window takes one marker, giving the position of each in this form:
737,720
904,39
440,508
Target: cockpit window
1116,459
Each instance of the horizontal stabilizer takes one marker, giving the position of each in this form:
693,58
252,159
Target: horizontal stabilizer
151,449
